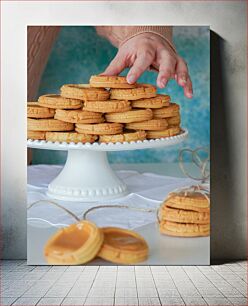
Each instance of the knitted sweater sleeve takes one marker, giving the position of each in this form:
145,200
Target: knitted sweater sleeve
117,35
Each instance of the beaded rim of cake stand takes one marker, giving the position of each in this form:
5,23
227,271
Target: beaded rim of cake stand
140,144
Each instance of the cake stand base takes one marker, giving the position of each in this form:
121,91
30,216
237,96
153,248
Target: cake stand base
86,176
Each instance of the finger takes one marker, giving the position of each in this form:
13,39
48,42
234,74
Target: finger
141,64
116,66
167,64
182,74
166,72
188,89
183,78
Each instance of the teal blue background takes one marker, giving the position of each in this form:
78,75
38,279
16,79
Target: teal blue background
79,53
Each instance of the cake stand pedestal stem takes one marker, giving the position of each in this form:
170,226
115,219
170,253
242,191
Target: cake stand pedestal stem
86,176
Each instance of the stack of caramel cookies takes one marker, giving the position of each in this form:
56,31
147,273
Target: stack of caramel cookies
106,110
185,214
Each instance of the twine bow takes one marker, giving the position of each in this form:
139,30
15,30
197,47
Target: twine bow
201,164
196,159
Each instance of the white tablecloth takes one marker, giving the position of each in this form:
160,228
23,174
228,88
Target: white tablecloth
147,190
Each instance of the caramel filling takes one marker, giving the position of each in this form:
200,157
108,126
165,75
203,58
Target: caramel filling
123,241
70,239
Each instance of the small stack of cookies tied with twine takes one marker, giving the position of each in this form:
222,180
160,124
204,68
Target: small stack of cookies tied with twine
108,110
186,211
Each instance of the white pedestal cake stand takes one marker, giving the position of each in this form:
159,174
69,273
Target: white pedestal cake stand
87,175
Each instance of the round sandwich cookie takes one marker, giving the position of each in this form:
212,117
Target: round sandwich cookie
168,111
70,137
133,115
171,131
74,245
142,91
108,106
36,135
125,137
151,125
183,216
78,116
49,125
184,229
156,102
195,201
99,129
84,92
174,121
110,81
57,101
123,246
34,110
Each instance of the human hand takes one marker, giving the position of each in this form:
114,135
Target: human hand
147,51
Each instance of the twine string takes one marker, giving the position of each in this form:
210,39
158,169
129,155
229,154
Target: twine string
57,205
148,210
117,206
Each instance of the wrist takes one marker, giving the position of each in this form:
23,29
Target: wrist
149,34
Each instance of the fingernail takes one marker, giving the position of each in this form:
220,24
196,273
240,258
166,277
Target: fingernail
131,79
183,79
163,82
190,95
